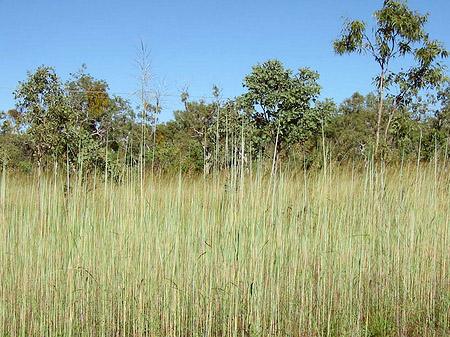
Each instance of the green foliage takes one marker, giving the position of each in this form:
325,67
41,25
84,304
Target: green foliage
315,120
88,98
234,136
45,111
196,121
436,129
398,32
103,123
176,149
202,136
82,124
442,115
277,100
78,122
14,149
25,167
352,128
12,121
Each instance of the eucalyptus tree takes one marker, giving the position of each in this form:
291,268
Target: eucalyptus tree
45,113
398,32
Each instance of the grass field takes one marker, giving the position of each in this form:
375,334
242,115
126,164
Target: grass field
342,252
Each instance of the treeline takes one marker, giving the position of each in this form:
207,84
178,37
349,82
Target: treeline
279,118
80,124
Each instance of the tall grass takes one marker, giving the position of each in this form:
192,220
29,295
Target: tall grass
345,252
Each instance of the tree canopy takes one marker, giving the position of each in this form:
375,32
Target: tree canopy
277,101
280,116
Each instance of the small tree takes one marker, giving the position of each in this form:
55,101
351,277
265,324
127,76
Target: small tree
197,119
398,32
46,115
277,100
45,111
101,120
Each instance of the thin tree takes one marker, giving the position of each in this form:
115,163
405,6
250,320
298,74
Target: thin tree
398,32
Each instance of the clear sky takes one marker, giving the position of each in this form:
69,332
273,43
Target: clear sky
198,43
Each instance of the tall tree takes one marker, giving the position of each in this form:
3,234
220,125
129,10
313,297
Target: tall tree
398,31
277,100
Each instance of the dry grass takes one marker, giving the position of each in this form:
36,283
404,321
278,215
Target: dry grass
343,253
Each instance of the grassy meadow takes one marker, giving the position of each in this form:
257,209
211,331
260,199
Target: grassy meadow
344,251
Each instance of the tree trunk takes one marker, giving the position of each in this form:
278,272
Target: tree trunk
207,161
391,118
380,111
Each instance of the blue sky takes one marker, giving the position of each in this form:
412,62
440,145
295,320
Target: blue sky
194,43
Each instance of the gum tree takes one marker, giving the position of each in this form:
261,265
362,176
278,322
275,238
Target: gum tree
398,32
46,114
